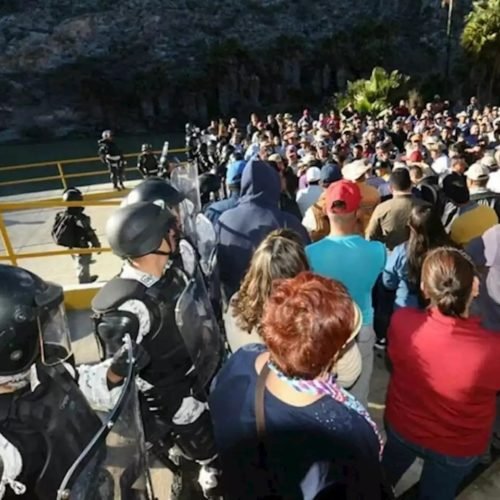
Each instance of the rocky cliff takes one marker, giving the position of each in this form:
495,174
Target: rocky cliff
77,65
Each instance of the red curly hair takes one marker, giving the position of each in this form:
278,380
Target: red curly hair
306,322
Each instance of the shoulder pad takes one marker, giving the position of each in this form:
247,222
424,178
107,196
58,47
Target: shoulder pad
115,292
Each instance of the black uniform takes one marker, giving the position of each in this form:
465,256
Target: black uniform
170,372
38,400
147,307
111,156
147,164
32,421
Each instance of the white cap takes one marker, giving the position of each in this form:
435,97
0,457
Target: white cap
477,172
313,174
489,161
354,170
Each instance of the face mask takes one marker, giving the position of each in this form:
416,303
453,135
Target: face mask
17,381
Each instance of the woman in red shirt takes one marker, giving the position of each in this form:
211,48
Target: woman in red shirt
441,397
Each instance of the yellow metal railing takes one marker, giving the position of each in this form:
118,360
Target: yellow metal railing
104,199
62,175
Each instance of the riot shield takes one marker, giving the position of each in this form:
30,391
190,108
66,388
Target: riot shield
199,329
114,464
185,179
163,164
206,241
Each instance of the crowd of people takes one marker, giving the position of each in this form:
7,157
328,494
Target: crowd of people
332,236
402,214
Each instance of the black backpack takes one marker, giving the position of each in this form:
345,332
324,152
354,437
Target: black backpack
65,231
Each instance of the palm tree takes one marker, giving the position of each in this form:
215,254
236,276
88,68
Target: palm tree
481,38
372,96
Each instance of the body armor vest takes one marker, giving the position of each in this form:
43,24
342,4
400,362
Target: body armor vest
57,411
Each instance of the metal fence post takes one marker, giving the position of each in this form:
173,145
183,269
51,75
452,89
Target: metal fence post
61,174
6,241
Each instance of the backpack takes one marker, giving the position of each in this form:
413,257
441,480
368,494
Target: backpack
65,231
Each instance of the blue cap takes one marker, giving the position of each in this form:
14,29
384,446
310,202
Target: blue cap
330,173
234,171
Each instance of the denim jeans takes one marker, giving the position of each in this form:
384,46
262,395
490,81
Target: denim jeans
383,305
441,474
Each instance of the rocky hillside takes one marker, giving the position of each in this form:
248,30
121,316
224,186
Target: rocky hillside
71,66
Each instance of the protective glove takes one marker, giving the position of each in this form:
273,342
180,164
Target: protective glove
120,364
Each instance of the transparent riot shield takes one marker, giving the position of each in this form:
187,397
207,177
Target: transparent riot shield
206,242
199,329
185,179
114,465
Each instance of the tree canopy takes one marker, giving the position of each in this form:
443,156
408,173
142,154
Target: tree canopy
481,38
371,96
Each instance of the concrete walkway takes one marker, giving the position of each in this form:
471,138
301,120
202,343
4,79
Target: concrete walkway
29,231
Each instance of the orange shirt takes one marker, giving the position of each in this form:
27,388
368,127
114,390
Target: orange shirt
370,198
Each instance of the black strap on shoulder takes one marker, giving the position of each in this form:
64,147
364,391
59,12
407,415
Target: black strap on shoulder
269,482
260,417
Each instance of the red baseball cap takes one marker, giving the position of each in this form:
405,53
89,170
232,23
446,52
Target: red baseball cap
342,197
413,157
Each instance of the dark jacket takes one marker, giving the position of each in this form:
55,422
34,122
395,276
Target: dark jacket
242,229
488,198
86,234
217,208
107,147
289,205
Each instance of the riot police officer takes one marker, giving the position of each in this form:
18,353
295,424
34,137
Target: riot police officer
142,301
162,191
112,157
38,395
79,227
147,163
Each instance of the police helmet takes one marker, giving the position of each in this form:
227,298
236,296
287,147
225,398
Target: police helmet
146,147
72,194
28,306
155,189
107,134
139,229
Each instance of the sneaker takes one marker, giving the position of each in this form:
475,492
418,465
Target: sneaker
381,344
93,278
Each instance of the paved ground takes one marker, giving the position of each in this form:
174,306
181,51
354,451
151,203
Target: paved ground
30,231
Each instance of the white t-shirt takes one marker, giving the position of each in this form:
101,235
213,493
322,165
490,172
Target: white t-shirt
441,165
494,182
309,221
307,197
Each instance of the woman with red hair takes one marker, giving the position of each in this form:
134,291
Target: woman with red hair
283,426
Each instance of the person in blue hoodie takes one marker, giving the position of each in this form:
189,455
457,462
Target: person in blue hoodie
233,182
241,229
